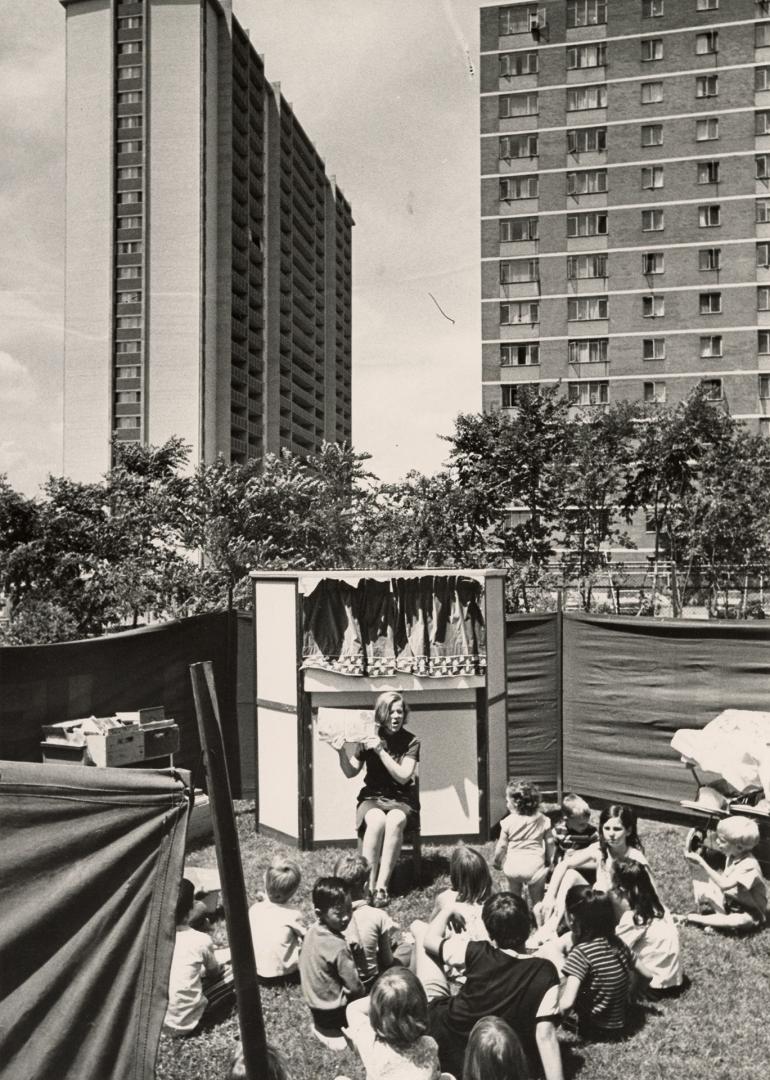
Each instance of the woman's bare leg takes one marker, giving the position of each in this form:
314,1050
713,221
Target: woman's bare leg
372,845
395,823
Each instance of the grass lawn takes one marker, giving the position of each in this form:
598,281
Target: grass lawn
717,1029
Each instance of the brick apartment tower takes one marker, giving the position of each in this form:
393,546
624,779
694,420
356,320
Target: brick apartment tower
208,255
625,160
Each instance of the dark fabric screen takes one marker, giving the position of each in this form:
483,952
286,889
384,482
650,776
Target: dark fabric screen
534,721
630,683
46,684
90,863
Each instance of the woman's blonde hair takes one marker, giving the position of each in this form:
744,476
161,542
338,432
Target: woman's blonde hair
383,705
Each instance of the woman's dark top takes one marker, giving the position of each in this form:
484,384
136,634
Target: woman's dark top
378,783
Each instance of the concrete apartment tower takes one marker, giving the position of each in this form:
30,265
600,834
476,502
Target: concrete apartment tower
625,154
208,255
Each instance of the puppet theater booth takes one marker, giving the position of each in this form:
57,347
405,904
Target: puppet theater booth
328,643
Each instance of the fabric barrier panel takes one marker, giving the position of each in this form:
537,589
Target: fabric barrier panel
45,684
629,684
533,670
90,864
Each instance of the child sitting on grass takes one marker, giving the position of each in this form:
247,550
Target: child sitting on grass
598,969
388,1029
370,930
525,848
736,897
646,927
494,1052
277,929
574,831
328,972
200,980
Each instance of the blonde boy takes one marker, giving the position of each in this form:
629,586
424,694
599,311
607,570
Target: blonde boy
736,897
276,928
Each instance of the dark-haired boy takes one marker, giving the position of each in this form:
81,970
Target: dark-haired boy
501,980
328,972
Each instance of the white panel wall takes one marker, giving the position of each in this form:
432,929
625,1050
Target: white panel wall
174,208
277,771
88,271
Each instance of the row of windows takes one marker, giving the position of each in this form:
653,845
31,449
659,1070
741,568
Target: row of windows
595,181
582,98
596,265
594,222
589,308
597,392
523,19
596,350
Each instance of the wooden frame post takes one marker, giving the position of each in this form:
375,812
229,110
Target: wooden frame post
250,1017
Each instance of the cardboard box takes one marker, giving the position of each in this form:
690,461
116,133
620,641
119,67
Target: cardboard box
119,746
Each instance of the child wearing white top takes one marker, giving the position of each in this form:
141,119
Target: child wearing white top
736,897
646,927
525,848
277,930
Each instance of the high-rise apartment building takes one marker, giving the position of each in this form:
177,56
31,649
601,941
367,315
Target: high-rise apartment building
625,159
208,255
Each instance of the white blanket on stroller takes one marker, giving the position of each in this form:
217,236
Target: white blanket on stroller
735,745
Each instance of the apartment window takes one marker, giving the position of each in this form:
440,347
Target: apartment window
707,129
130,372
129,22
586,56
652,176
518,187
654,348
130,97
762,166
654,393
762,35
587,182
711,346
513,271
129,73
130,222
652,263
126,346
587,224
129,48
651,92
653,307
707,43
764,387
512,230
519,312
128,273
708,172
652,134
126,122
710,303
586,140
519,63
517,20
130,172
763,298
129,146
588,393
127,397
586,266
588,351
511,394
652,220
713,388
586,97
127,197
129,247
585,308
762,122
129,298
517,105
709,216
128,322
762,211
706,86
763,255
518,146
652,49
519,355
707,5
123,422
586,13
763,342
652,9
710,259
762,78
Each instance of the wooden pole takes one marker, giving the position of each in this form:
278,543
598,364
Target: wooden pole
250,1017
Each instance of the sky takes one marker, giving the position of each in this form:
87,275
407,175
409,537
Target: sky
388,92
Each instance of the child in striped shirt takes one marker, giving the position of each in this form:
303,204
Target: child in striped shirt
598,969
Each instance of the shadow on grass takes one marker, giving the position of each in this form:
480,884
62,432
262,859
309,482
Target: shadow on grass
434,866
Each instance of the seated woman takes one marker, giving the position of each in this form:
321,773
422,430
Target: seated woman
388,803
